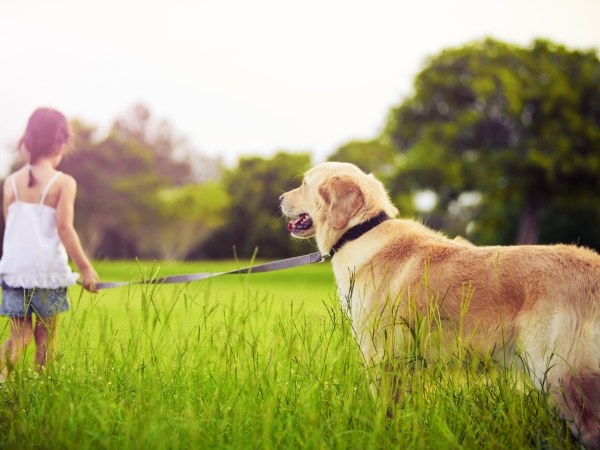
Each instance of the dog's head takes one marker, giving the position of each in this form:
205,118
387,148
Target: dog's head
333,197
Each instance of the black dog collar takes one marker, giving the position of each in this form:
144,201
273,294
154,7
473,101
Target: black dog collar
358,230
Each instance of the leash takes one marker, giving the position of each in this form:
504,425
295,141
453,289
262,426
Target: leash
186,278
350,235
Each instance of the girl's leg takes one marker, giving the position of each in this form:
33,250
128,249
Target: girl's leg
45,339
21,331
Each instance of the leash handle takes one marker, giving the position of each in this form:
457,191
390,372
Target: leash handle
282,264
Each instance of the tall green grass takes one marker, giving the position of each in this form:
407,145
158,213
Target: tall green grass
263,361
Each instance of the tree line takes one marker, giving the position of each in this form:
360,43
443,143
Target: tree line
504,140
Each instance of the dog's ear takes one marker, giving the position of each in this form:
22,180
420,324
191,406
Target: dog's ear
343,197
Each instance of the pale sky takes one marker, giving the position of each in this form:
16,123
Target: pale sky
250,76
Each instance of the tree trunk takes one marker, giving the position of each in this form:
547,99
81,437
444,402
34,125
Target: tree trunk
529,222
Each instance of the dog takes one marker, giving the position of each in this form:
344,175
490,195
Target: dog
536,304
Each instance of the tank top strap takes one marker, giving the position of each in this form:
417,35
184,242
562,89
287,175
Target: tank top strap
48,185
14,186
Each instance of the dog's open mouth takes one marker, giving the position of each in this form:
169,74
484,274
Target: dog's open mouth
300,224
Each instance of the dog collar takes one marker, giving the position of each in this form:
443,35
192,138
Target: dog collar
358,230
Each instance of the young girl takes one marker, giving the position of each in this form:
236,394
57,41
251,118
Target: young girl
38,236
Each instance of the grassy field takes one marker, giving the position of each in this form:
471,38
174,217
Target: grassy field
263,361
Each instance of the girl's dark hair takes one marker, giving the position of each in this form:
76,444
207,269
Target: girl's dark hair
47,130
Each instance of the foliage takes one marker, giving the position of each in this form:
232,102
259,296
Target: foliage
519,125
572,220
373,156
516,127
175,159
254,220
186,216
115,177
129,181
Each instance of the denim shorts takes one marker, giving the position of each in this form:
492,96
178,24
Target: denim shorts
19,302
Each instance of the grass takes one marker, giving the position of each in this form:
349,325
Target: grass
263,361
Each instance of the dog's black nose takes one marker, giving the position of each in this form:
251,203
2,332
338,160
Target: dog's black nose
281,198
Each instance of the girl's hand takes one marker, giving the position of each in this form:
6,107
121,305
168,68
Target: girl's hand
90,279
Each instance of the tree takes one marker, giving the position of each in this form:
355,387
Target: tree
175,159
519,125
117,179
372,156
186,217
254,221
127,183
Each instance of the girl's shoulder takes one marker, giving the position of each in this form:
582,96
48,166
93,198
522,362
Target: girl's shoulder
68,181
66,187
65,178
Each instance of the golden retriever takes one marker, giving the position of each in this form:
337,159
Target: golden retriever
539,305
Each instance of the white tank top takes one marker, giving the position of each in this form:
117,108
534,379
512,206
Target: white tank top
33,254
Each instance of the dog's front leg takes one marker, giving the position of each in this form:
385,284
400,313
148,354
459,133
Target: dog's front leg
392,356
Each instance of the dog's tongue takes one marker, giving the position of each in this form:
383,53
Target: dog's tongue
292,223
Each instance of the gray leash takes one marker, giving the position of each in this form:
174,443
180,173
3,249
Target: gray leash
186,278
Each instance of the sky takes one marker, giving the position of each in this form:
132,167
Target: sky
241,77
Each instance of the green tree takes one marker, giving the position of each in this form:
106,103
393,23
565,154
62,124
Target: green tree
372,156
186,217
123,179
254,221
519,125
175,159
117,180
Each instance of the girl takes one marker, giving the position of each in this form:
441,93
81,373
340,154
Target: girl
39,234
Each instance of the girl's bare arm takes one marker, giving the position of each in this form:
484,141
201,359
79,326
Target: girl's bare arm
65,212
